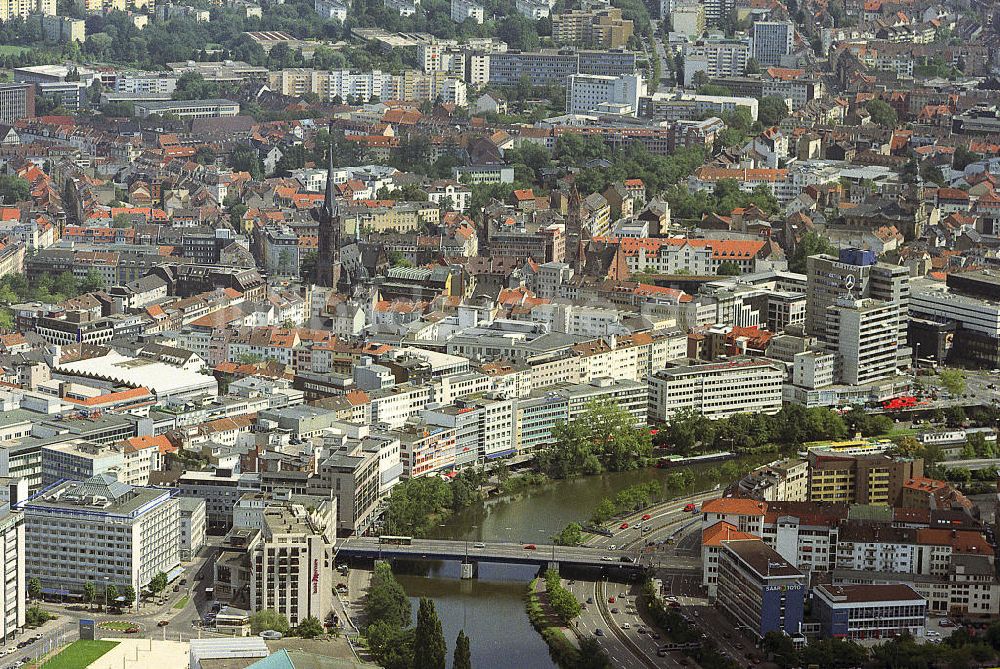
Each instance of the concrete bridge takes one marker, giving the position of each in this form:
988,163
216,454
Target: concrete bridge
471,553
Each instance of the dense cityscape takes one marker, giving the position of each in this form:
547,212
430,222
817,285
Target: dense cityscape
507,334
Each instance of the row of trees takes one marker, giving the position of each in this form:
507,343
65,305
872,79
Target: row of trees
394,644
633,498
269,619
723,198
604,438
689,431
563,602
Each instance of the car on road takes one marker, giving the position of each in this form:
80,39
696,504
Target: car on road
599,632
590,600
623,526
615,610
611,599
640,630
933,633
607,558
530,547
690,508
646,529
479,544
626,626
613,547
661,652
946,623
163,623
132,630
271,635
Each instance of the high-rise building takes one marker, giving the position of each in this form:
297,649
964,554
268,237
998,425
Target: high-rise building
15,9
866,333
12,595
772,40
855,275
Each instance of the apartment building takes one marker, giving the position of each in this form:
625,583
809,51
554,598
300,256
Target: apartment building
22,9
772,41
859,479
193,526
592,29
866,333
17,101
461,10
102,531
717,390
716,58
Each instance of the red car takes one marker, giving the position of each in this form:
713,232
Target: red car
690,507
611,600
623,526
646,516
530,547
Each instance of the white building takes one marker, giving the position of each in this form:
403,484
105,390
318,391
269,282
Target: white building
716,58
101,531
193,526
12,595
466,9
331,9
717,390
866,333
591,92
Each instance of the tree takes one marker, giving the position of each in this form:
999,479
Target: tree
728,268
128,592
430,649
881,113
268,619
953,381
463,655
592,655
158,583
310,628
192,86
604,511
89,593
34,588
571,535
245,159
812,243
386,600
771,111
110,595
964,157
13,189
781,649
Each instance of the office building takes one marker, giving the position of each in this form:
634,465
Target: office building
866,333
717,390
220,489
193,526
187,108
717,10
772,41
553,66
12,574
17,101
102,531
855,275
587,93
759,589
79,460
869,611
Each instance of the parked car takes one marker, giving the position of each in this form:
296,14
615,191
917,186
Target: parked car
530,547
163,623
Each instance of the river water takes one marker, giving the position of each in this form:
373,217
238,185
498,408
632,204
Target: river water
491,607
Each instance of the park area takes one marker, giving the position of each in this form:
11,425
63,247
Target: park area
79,654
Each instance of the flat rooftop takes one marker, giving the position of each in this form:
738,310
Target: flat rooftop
761,558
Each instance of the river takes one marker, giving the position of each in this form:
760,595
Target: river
538,513
491,607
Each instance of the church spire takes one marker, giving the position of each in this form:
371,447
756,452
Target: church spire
329,201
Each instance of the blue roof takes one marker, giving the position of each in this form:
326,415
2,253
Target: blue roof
279,660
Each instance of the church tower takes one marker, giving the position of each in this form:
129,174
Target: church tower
328,217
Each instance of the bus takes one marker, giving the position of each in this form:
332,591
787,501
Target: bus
395,541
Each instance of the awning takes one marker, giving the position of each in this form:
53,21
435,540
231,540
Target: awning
55,591
175,574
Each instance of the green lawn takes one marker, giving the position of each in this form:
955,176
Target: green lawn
11,50
118,625
79,654
182,602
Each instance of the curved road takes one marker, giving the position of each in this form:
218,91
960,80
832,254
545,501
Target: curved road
627,641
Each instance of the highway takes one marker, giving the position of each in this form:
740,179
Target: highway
979,463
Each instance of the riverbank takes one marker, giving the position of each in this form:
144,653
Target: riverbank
563,648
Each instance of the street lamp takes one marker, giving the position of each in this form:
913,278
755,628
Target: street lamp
106,595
